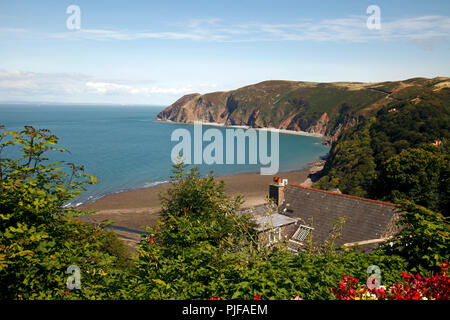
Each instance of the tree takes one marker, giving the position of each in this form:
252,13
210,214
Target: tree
423,240
351,166
362,152
199,242
418,175
40,237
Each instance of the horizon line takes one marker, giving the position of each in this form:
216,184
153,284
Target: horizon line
78,103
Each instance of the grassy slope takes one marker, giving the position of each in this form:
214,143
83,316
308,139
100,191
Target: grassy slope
269,103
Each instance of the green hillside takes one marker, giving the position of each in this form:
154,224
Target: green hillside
324,108
391,154
381,133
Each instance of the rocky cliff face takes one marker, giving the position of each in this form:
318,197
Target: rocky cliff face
321,108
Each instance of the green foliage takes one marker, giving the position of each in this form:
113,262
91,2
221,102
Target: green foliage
192,257
201,274
202,247
112,245
206,213
391,156
39,239
423,240
199,243
351,165
282,275
417,174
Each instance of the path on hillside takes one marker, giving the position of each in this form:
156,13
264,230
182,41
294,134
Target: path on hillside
388,94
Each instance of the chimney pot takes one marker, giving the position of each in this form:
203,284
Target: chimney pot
276,190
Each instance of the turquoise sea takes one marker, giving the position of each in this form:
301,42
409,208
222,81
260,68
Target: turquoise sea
126,149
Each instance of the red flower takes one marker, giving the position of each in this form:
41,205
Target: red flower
412,287
213,298
256,297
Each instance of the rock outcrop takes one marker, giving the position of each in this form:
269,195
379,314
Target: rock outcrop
320,108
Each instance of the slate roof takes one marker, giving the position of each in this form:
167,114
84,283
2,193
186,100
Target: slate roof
366,219
277,220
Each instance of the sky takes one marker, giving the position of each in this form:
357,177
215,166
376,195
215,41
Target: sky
153,52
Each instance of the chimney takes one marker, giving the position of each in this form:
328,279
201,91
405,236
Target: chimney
276,190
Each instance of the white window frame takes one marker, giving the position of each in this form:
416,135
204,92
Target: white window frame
275,235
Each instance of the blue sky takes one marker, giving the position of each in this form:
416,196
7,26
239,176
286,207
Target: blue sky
152,52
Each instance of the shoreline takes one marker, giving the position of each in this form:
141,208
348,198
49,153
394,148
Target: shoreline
138,208
86,202
216,124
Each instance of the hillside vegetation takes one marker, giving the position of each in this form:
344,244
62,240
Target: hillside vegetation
382,134
325,108
393,155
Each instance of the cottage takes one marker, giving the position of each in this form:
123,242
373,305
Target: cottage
305,212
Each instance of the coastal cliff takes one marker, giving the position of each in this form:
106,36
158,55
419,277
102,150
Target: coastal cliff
327,109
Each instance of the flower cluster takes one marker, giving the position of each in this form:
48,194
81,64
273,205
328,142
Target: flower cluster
412,287
346,290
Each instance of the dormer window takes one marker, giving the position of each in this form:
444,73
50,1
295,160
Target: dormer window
302,233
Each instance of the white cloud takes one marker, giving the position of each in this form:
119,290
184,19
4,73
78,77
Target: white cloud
104,87
19,85
12,30
351,29
109,87
108,35
16,81
348,29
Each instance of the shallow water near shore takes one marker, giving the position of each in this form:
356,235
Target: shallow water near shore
126,149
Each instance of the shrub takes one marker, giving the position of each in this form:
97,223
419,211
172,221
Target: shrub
423,240
39,237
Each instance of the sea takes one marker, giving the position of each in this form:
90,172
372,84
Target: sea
126,149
